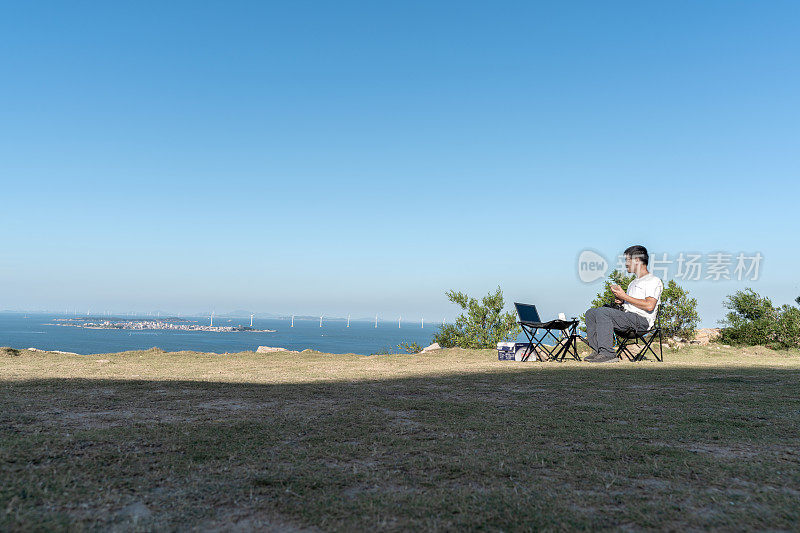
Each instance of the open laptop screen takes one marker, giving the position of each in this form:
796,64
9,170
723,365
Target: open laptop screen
527,313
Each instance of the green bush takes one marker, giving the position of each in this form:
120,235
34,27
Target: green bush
788,327
482,326
678,312
679,316
753,320
410,347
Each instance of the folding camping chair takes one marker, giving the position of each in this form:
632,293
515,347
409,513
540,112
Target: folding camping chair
626,338
565,343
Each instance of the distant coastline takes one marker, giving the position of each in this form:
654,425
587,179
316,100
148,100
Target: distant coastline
141,325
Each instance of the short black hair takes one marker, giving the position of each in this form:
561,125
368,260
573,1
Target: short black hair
639,251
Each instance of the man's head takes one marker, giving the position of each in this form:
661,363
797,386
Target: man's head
636,259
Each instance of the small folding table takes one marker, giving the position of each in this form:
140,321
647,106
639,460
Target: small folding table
565,342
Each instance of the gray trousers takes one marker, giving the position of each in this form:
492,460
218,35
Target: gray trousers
600,324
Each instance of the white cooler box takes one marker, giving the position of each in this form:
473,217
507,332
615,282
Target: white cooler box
511,351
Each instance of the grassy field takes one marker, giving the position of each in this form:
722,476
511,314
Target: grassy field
451,440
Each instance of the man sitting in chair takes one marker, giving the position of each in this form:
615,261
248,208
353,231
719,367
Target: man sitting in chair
637,312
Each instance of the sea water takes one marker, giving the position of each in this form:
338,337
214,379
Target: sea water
362,337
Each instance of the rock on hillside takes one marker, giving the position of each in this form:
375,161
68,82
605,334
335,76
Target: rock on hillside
270,349
432,347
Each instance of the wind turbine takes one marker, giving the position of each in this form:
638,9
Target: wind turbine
251,320
320,319
348,320
398,321
376,321
292,322
212,319
422,322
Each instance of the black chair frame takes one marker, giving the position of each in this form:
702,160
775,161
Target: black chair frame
626,338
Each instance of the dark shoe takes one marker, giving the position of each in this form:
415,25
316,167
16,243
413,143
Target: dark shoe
604,358
591,356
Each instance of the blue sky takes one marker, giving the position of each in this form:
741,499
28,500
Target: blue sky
364,157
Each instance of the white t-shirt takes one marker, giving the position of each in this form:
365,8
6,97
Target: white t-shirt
641,288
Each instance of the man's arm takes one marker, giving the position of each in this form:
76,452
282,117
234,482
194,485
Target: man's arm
647,304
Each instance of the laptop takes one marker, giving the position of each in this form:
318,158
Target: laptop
527,313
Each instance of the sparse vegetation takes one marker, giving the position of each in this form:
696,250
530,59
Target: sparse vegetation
482,325
410,347
5,351
753,320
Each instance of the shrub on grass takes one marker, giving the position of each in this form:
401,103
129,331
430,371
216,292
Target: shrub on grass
482,325
410,347
788,327
679,316
753,320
